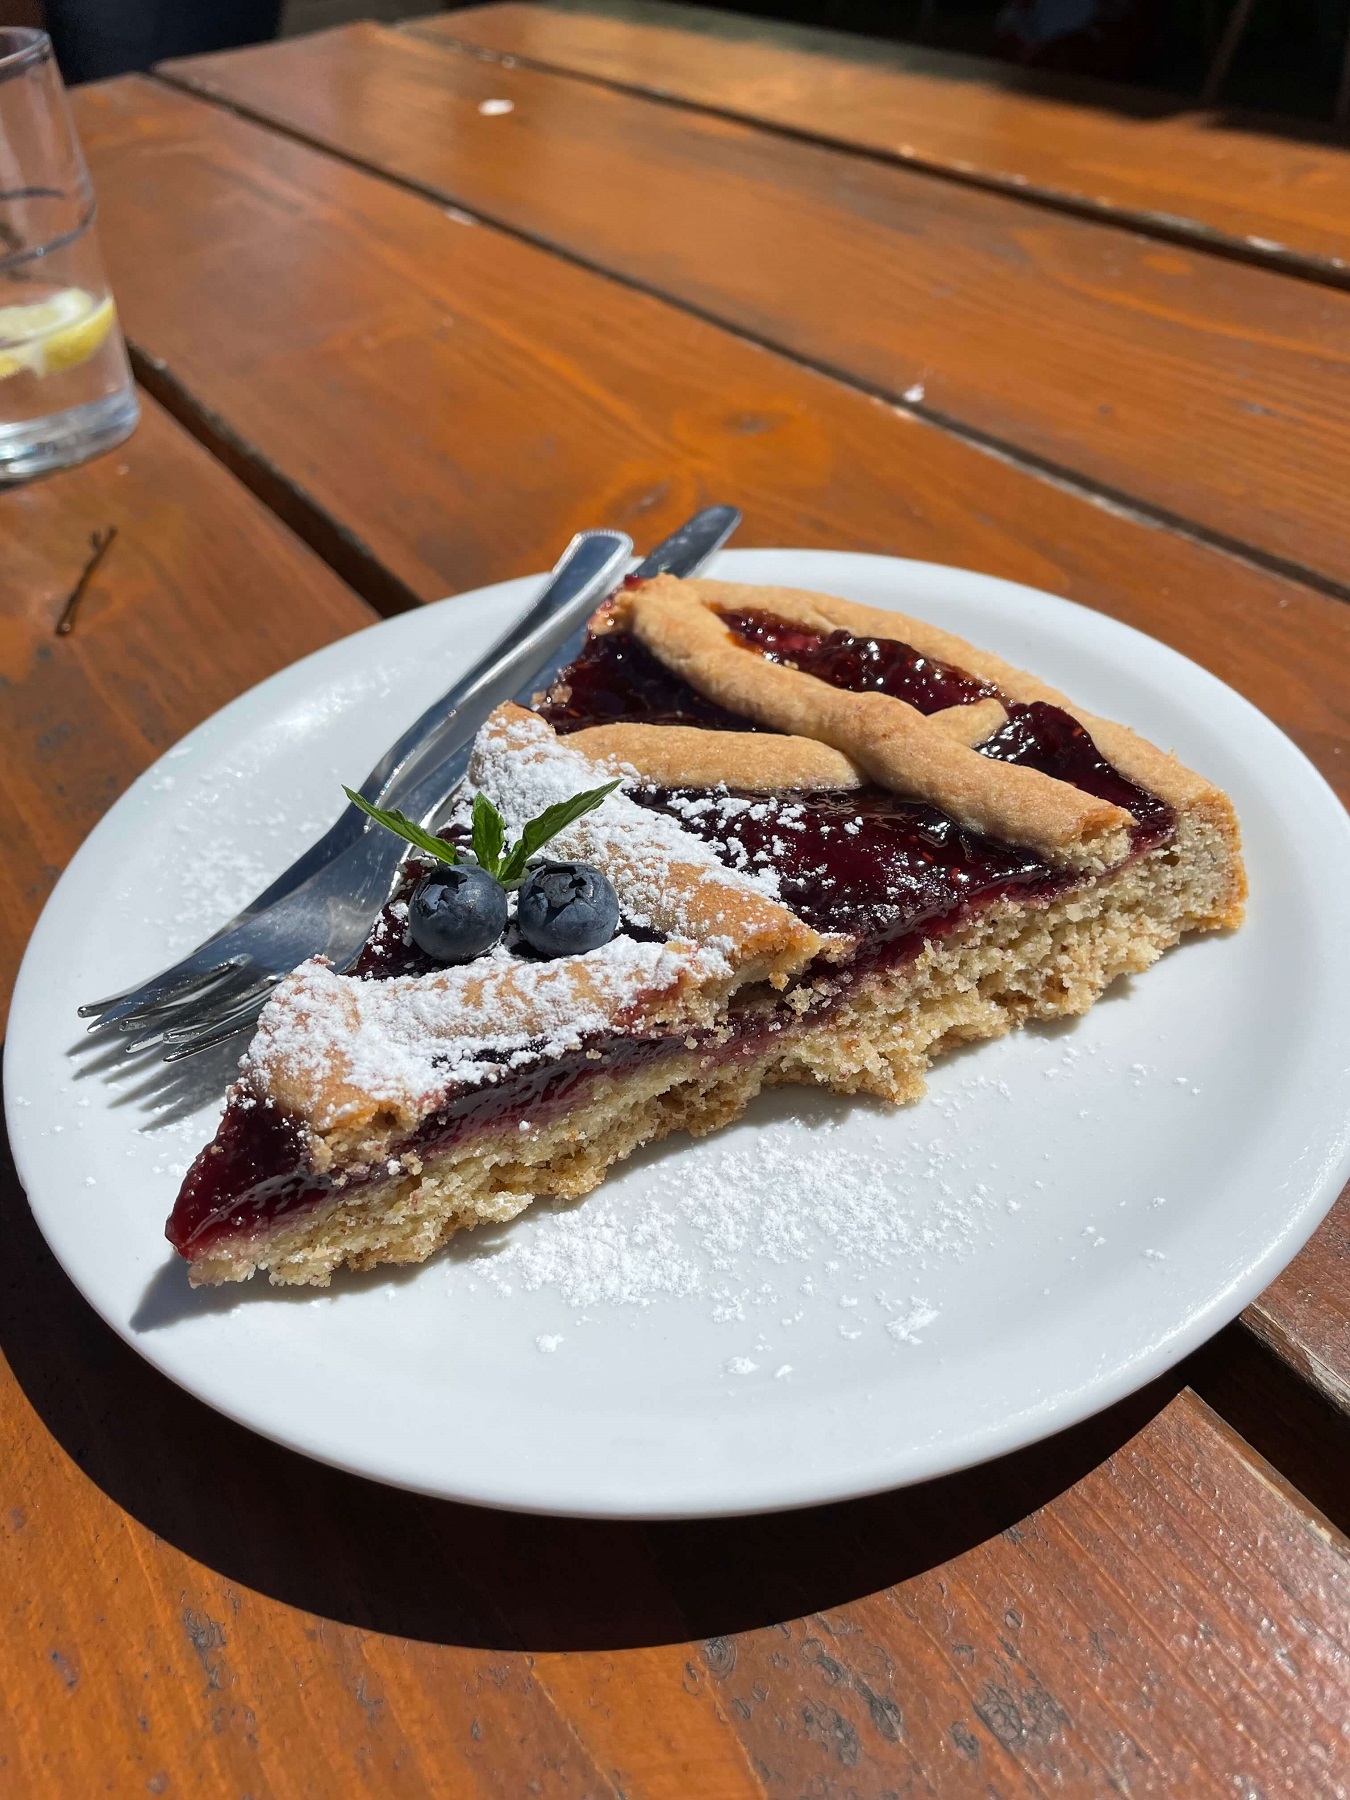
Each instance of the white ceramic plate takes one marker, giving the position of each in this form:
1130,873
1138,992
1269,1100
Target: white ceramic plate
829,1299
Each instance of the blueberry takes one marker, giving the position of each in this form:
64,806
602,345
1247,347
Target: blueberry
456,913
565,908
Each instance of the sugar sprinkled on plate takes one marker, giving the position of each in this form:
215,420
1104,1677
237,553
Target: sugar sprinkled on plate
710,1228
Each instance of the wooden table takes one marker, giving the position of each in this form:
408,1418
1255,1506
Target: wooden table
397,341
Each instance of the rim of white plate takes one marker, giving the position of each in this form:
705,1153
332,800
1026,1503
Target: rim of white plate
1322,1165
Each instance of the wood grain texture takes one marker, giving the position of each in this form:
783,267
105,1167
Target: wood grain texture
188,1606
978,1710
201,594
1207,389
464,402
1304,1315
1271,186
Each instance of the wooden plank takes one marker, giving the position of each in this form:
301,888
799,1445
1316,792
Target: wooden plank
1208,390
182,615
1287,1417
1272,188
1039,1661
1304,1314
502,399
463,401
188,1603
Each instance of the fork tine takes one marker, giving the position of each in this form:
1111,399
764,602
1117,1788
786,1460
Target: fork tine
233,980
163,983
155,996
147,1030
146,1039
159,1018
214,1032
233,1005
181,1052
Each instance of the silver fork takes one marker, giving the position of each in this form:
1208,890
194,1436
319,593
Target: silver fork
325,903
588,569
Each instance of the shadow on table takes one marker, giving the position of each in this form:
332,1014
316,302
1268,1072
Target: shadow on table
890,39
383,1560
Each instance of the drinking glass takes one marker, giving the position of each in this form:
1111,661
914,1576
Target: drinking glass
65,387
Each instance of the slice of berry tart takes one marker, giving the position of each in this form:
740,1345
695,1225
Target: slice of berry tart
750,837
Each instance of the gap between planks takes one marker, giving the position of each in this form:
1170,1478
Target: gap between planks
333,542
1170,228
1127,505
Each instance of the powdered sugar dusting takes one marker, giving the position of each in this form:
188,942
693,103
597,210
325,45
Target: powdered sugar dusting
523,767
329,1046
833,1223
907,1326
402,1041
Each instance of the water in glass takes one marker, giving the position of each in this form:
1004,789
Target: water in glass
65,388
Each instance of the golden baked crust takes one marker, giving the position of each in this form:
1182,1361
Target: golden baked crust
756,762
1136,758
359,1063
971,724
891,741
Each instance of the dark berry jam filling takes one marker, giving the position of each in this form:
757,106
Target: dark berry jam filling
257,1170
253,1169
389,950
616,680
862,665
859,861
1044,737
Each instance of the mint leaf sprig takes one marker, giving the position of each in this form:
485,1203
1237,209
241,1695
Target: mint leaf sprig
535,833
488,831
402,826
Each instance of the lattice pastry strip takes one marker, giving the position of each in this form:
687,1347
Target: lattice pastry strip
759,762
890,741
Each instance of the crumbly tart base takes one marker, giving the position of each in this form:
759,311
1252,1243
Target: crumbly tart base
1009,964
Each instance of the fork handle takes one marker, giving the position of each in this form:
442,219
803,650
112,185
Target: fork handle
423,768
683,553
587,570
589,567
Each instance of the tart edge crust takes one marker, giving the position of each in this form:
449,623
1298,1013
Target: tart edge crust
1136,758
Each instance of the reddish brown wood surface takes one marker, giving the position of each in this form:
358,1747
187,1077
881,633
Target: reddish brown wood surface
1304,1316
201,594
188,1607
1206,388
1264,184
463,401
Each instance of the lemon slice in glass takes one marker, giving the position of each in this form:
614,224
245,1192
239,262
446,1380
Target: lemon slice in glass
60,332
